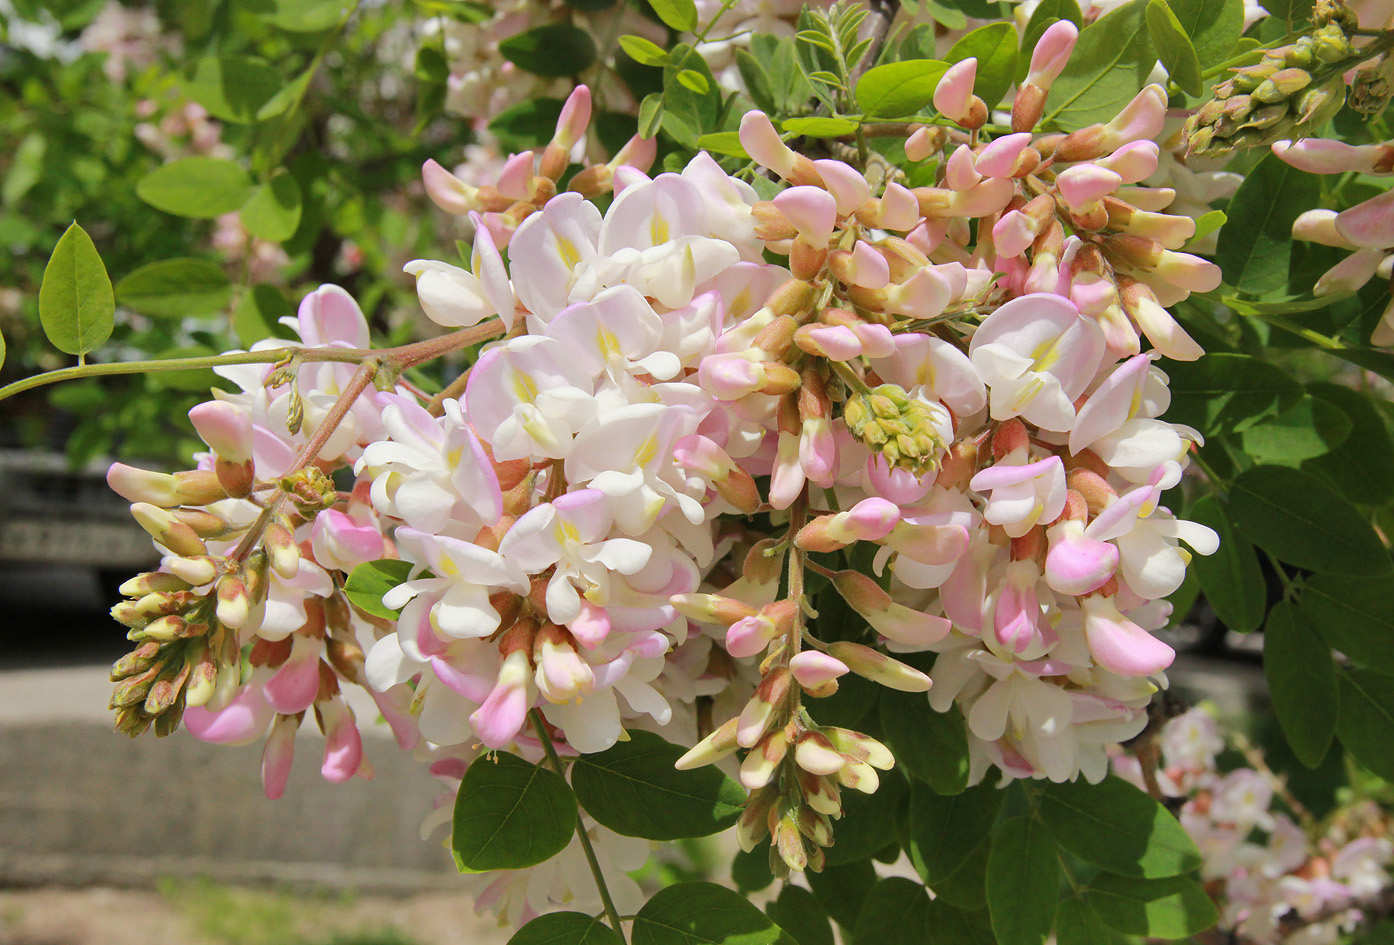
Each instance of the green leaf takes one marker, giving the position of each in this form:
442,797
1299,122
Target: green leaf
528,124
799,913
1213,26
1359,467
633,788
1304,522
1206,223
510,814
651,114
1232,577
1156,908
702,914
1046,13
1023,879
1174,48
257,313
1114,825
1301,682
553,51
870,822
943,829
694,80
76,307
723,142
2,350
1077,924
565,928
1355,615
931,746
1109,65
26,169
948,925
233,88
994,46
1226,393
1310,429
820,127
644,51
308,16
842,890
895,89
680,15
1366,723
176,288
369,581
1256,243
273,212
200,187
894,911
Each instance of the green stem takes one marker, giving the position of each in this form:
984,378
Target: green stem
613,914
1210,473
1288,325
404,356
701,37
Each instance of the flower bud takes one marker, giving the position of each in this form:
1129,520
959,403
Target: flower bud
719,744
878,667
168,530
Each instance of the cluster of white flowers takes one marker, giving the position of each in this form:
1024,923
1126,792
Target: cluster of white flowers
1275,880
594,522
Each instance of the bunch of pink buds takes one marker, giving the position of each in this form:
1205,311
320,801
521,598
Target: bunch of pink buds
1366,229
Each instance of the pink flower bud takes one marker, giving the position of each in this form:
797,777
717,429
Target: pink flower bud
899,209
1370,223
870,270
762,142
225,428
1141,118
296,683
515,178
1133,162
1084,185
749,636
575,117
1052,53
638,153
813,669
1118,644
921,144
343,745
847,185
1002,156
277,755
499,719
756,715
959,171
953,96
447,191
1189,272
812,210
1324,156
1077,565
879,668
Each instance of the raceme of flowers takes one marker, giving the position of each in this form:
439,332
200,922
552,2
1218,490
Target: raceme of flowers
611,518
1275,879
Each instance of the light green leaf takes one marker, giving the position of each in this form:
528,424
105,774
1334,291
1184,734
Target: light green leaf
510,814
26,168
1156,908
1304,522
633,789
681,15
1227,393
650,114
257,313
1109,65
565,928
369,581
233,88
553,51
273,212
944,829
723,142
1206,224
894,911
1231,577
931,746
1174,47
1301,681
703,914
1256,242
994,46
1355,615
1310,429
694,80
200,187
820,127
77,309
644,51
894,90
176,288
308,16
1023,879
1366,723
1114,825
1213,26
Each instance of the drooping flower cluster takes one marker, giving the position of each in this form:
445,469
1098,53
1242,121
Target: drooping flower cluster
613,513
1276,880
